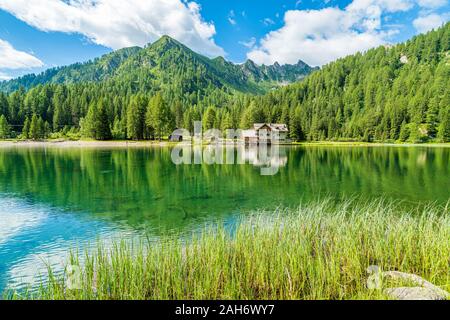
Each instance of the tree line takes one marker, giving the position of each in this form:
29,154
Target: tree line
391,93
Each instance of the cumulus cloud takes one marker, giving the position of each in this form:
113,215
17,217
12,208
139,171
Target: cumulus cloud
321,36
426,23
432,4
117,24
11,58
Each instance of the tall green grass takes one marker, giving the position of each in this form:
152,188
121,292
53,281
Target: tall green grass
318,251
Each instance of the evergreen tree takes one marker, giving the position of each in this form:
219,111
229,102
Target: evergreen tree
47,129
295,127
118,130
103,128
4,127
209,118
26,129
178,114
88,124
248,117
134,120
227,122
404,132
157,116
34,132
433,118
444,128
414,136
41,128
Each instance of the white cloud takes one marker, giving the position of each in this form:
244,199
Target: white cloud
429,22
268,22
232,21
11,58
117,23
321,36
4,76
432,4
231,18
249,44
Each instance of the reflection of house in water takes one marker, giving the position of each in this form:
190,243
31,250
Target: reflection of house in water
266,133
270,156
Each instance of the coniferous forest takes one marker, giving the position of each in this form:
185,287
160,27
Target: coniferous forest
388,94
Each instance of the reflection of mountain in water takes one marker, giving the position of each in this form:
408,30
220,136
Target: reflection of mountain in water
143,188
53,199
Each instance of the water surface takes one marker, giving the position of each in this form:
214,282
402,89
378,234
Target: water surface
53,199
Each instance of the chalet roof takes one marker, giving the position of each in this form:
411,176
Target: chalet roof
273,126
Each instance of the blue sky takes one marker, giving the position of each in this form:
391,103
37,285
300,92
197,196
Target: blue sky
39,34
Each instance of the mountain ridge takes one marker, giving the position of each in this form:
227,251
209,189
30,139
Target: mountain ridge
165,55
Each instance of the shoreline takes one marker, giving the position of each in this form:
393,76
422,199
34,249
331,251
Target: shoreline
145,144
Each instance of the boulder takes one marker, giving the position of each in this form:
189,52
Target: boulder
421,289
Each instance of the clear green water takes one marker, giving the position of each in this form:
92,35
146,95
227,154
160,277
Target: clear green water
53,199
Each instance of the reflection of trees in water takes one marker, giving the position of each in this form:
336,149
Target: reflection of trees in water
143,186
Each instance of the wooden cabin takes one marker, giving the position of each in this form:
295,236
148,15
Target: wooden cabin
266,133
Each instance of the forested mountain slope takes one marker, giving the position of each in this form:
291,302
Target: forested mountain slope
97,70
166,64
391,93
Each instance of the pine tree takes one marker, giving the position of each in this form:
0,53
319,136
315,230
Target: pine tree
34,128
209,118
178,114
47,129
157,116
227,122
118,130
134,120
4,127
248,117
103,128
88,124
26,129
4,106
432,118
41,128
444,128
404,132
295,127
413,133
285,115
58,118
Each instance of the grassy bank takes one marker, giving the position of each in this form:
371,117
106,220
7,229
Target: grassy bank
318,251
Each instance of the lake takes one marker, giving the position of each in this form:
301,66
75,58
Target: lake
54,199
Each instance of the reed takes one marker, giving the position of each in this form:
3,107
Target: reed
317,251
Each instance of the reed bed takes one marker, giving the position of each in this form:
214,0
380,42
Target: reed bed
317,251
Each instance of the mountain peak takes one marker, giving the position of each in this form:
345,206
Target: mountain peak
250,62
167,58
166,38
166,42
